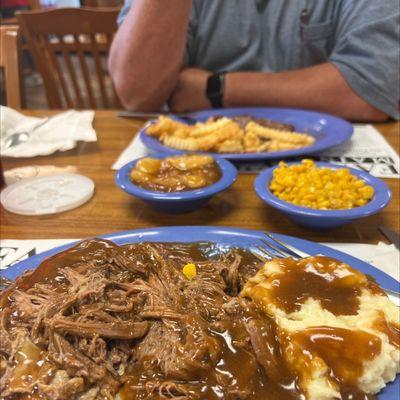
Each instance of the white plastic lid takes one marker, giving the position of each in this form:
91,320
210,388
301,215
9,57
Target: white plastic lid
47,194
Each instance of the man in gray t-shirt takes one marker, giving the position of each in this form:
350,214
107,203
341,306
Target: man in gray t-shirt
339,56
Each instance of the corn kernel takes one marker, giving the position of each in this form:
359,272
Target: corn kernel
360,202
359,184
367,192
190,271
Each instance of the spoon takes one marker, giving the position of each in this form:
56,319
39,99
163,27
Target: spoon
18,138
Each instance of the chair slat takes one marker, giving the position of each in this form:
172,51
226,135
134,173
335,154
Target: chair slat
99,69
71,70
9,60
44,64
85,71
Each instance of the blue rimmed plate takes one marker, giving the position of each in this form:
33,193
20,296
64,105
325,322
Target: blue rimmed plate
329,131
225,237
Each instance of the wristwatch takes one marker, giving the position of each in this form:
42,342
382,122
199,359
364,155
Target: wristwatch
215,89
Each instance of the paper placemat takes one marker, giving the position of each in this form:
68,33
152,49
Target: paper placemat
367,150
13,251
383,256
135,149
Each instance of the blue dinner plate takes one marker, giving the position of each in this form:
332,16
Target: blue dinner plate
226,238
329,131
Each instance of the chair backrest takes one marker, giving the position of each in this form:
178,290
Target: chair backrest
102,3
9,61
70,48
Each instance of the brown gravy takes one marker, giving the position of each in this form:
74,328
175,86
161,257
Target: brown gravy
30,363
343,350
317,277
236,368
390,329
176,174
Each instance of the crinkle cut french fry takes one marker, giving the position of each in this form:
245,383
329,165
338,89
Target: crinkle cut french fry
190,144
164,125
209,141
281,136
201,130
230,146
251,142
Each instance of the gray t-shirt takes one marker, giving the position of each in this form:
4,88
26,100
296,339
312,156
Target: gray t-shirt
360,37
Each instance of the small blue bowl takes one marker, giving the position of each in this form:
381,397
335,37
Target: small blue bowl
177,202
324,219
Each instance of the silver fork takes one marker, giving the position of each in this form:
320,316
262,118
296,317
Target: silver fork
276,248
279,249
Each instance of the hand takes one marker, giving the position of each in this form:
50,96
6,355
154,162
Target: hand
190,91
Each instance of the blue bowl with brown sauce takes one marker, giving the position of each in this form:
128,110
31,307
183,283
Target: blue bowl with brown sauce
180,201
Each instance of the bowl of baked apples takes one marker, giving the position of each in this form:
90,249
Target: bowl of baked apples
176,184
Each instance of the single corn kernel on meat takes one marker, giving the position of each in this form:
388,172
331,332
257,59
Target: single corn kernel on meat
190,271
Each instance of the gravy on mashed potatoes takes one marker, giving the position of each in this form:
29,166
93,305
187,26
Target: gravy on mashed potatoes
338,331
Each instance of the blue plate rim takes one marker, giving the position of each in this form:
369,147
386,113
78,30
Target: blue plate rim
392,389
343,133
380,200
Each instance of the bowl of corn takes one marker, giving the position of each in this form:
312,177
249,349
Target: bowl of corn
321,195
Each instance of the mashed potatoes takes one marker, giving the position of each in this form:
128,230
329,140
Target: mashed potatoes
338,331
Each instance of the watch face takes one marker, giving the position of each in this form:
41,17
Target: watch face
214,85
215,90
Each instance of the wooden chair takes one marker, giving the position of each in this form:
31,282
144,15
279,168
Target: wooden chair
70,48
9,61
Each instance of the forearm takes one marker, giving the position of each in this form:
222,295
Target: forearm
147,52
321,87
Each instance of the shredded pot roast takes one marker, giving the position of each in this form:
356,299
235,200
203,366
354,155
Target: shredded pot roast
102,321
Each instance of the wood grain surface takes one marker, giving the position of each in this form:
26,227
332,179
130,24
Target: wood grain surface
112,210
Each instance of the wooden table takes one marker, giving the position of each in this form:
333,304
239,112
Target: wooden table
112,210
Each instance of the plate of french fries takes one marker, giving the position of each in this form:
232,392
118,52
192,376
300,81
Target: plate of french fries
247,133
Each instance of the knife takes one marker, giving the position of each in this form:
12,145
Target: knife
392,236
147,115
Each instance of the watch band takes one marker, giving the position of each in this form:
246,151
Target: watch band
215,89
